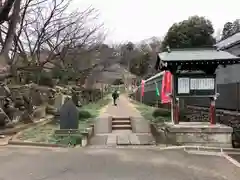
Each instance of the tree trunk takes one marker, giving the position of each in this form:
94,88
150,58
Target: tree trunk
5,9
11,30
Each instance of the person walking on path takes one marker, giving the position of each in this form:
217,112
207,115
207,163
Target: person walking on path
115,95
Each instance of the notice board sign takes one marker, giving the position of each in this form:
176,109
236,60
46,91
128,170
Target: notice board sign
196,85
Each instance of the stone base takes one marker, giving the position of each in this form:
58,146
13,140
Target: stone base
199,133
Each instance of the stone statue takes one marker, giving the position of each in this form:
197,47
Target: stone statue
4,119
9,110
19,103
27,115
51,102
51,97
37,97
28,103
76,98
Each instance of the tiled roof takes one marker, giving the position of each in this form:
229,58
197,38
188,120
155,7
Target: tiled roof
234,39
196,54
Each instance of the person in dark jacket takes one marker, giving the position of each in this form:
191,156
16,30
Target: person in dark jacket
115,95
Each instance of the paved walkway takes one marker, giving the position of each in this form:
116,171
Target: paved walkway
24,163
140,134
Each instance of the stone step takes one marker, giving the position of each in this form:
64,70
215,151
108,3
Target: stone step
120,118
134,139
121,122
112,140
122,127
146,139
123,140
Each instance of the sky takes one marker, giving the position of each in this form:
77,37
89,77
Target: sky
136,20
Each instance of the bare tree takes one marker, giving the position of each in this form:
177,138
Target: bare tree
47,34
9,12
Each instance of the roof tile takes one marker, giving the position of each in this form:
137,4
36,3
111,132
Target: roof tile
196,54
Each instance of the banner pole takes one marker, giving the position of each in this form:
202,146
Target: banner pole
157,103
172,100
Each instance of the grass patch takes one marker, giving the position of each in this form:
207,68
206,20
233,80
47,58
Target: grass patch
153,114
39,133
94,108
45,133
146,111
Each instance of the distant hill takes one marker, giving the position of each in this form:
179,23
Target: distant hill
110,74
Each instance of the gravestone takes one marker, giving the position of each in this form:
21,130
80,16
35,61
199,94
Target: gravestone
59,101
76,98
69,115
36,95
4,119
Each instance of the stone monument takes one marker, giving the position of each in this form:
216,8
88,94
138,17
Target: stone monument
69,115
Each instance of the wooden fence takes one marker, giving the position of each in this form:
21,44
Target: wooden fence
229,98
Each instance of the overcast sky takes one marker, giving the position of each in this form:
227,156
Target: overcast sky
135,20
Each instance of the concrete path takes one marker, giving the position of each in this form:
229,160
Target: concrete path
140,134
23,163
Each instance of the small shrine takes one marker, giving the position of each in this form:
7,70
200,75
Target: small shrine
193,75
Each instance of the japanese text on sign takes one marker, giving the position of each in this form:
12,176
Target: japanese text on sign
183,85
202,84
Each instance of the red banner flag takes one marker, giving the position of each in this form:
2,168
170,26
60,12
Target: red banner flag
142,91
166,87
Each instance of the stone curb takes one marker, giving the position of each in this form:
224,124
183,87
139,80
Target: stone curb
28,143
86,139
4,141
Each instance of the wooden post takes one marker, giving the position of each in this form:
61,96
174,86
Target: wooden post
177,111
157,103
212,111
237,96
174,104
102,93
172,101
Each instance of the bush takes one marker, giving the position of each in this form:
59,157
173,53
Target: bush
46,80
68,140
183,116
118,82
161,119
90,95
83,114
161,112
